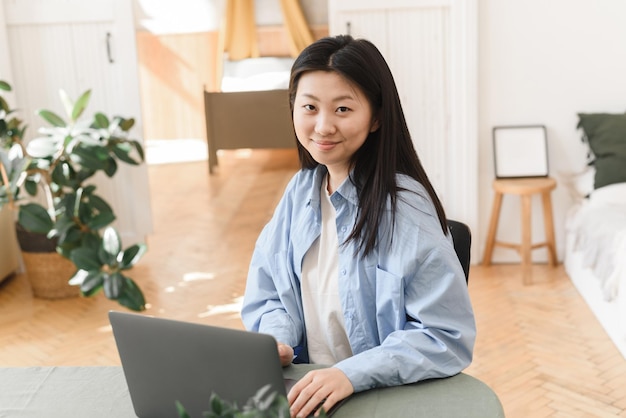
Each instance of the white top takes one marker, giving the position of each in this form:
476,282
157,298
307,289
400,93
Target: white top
325,329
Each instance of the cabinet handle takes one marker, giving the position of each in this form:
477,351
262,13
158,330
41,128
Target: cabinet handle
348,28
109,48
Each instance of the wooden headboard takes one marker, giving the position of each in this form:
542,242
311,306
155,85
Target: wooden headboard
247,119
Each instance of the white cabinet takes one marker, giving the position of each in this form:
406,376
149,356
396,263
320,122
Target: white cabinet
77,45
430,47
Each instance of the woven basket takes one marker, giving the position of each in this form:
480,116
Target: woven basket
49,274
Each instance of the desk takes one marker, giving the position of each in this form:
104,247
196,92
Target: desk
101,392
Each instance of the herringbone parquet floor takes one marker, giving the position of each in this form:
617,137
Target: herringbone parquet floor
539,346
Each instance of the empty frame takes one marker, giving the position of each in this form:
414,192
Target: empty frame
520,151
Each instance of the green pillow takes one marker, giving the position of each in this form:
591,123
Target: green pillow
606,135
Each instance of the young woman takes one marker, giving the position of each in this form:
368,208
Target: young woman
356,269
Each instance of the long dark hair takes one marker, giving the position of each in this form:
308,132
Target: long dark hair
386,151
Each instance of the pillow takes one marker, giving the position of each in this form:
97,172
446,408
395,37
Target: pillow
612,195
606,135
579,184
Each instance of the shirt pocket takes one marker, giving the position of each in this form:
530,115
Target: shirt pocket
390,312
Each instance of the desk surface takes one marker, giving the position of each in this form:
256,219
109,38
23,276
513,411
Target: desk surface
101,392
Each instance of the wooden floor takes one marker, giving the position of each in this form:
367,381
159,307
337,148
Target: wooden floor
539,347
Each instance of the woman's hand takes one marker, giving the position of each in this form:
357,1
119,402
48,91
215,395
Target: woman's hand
318,388
285,353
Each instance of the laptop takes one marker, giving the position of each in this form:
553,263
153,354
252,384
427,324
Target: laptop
165,361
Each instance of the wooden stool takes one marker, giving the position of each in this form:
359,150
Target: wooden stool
525,188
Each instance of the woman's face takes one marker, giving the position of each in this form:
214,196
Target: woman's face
332,119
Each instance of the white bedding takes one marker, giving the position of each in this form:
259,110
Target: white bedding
595,257
256,74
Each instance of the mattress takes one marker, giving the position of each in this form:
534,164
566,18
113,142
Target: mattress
595,257
255,74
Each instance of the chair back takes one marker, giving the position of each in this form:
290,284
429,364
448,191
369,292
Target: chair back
462,237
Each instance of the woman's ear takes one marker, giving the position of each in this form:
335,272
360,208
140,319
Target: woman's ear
375,125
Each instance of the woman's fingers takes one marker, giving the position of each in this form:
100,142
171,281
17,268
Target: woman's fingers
285,353
318,388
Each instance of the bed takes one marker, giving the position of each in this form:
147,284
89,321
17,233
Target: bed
252,108
595,257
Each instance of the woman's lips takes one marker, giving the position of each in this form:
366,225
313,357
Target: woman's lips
325,145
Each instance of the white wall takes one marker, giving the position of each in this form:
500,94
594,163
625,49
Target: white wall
167,16
542,62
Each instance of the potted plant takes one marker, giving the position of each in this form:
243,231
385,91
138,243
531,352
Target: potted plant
11,162
58,207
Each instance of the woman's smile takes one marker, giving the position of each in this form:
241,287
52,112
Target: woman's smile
332,119
325,145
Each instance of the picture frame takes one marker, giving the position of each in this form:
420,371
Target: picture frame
520,151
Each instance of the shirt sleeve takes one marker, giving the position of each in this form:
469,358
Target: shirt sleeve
426,325
270,303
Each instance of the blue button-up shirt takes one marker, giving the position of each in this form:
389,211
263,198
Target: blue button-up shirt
406,306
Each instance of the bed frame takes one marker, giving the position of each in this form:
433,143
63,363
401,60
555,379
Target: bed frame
247,119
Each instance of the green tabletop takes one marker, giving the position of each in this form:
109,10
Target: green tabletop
101,392
458,396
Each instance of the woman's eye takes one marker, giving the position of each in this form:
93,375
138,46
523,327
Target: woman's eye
342,109
309,107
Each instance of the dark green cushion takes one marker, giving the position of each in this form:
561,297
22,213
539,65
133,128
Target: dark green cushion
606,135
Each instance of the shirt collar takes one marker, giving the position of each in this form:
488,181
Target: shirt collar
347,190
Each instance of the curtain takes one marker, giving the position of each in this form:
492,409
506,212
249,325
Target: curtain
238,33
297,28
239,30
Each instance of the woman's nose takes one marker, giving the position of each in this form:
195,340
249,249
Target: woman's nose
324,125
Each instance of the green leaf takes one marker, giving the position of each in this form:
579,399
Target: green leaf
5,86
101,220
86,259
110,167
35,218
132,255
182,413
139,149
4,106
127,124
98,203
108,259
30,187
52,118
92,283
101,121
91,241
67,102
65,228
115,123
217,405
111,242
80,105
62,173
91,157
113,285
122,151
131,296
44,147
77,201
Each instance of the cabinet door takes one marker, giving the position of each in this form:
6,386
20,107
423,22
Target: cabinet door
77,45
430,48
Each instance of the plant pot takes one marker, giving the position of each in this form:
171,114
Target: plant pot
48,272
9,261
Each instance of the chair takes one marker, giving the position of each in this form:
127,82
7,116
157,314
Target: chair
462,237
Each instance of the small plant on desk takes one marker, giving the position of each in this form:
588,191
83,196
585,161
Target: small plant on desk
261,405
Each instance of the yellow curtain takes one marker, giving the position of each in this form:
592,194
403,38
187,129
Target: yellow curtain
239,28
238,33
297,28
